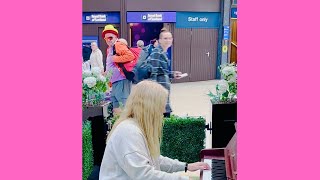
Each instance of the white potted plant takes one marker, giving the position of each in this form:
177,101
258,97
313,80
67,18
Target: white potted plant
226,89
94,87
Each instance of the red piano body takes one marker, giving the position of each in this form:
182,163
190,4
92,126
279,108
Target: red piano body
229,157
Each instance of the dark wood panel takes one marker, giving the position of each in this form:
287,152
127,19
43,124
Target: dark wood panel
100,5
203,54
181,54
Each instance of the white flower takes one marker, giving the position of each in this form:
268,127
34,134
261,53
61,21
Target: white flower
101,78
90,81
86,73
232,78
222,86
226,89
226,71
96,71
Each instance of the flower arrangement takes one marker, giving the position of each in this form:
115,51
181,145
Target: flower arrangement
227,87
94,86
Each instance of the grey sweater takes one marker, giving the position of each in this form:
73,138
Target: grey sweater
127,157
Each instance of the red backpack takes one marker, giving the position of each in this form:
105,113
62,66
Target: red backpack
127,67
130,65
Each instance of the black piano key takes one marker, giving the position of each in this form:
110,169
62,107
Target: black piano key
218,170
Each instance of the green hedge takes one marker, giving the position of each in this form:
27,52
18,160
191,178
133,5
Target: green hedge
87,152
183,138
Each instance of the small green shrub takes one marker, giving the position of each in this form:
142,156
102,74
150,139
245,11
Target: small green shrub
87,152
183,138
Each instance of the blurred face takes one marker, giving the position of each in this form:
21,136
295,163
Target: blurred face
166,40
93,46
110,39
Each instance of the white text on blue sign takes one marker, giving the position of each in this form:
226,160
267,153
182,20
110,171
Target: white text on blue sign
152,17
97,18
194,19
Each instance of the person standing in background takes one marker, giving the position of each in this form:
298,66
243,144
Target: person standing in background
160,65
121,86
96,57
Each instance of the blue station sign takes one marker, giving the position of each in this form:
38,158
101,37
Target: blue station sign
101,18
151,17
198,20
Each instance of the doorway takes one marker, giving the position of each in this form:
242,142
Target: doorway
195,53
145,32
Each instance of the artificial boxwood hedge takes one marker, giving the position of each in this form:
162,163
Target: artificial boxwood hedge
87,152
183,138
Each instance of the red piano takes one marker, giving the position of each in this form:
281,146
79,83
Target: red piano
223,162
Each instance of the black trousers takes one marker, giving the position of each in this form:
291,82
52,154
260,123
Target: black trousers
166,115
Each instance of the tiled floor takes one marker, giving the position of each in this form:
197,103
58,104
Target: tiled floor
191,99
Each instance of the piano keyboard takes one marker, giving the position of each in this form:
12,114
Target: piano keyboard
218,170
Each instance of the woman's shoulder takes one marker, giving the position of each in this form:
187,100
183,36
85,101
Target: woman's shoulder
128,127
127,132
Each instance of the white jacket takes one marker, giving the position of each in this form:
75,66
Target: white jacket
127,157
96,59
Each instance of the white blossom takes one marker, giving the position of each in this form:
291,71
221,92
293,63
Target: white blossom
232,78
222,86
96,71
90,81
101,78
86,73
228,70
227,84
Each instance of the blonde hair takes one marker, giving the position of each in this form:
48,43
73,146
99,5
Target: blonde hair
123,41
146,105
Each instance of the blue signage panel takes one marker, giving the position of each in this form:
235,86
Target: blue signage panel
198,20
151,17
234,13
89,39
226,32
101,18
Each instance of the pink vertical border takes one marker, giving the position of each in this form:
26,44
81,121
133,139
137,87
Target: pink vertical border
41,90
278,57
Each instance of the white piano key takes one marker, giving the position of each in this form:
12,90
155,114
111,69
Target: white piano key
206,174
